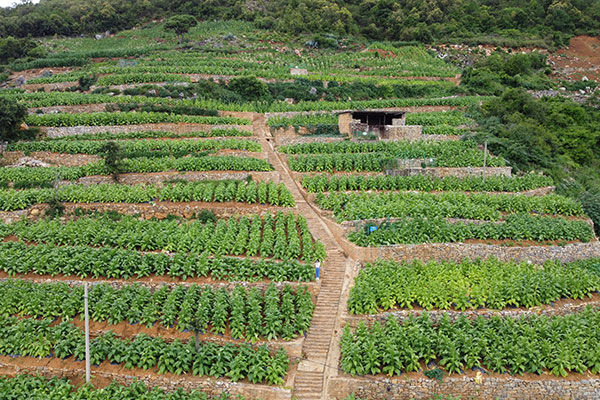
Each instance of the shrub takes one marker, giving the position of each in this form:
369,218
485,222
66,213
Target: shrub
12,115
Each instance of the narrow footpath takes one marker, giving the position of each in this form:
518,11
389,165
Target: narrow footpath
319,358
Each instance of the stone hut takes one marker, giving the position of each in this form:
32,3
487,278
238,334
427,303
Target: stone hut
379,125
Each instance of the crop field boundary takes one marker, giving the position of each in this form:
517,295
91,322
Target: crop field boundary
467,385
106,373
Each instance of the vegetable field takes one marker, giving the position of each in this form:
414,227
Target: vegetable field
199,187
248,314
470,284
535,344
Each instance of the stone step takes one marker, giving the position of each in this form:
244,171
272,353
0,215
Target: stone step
317,347
315,382
307,396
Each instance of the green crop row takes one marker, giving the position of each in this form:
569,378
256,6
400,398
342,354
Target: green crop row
361,105
324,183
27,177
153,107
438,230
434,118
129,148
282,236
38,338
47,99
443,130
534,344
126,118
123,79
490,283
20,388
249,314
52,62
84,261
476,206
252,192
68,98
403,148
303,120
72,76
153,135
375,162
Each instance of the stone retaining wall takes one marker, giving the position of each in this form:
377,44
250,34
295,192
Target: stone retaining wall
148,210
466,387
54,132
48,87
80,108
440,138
190,176
460,251
565,308
459,172
289,136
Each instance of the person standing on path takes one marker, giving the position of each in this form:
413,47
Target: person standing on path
317,269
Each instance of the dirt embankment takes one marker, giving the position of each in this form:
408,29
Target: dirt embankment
580,59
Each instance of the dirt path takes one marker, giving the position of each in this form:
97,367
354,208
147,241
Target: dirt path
320,356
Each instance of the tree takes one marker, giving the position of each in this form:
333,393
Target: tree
180,25
12,115
113,158
249,88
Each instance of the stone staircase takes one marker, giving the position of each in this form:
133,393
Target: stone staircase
310,380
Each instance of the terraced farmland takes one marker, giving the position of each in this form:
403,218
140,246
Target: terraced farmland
242,246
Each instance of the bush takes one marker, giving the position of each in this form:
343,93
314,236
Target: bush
249,88
11,49
12,115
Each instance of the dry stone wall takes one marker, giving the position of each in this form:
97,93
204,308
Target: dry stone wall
466,387
565,307
158,210
190,176
460,251
459,172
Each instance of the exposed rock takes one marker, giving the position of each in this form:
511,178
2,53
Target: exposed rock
29,162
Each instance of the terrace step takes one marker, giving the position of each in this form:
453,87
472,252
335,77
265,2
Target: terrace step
309,385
